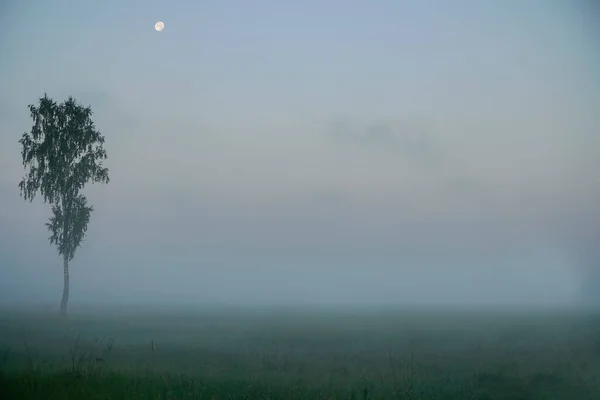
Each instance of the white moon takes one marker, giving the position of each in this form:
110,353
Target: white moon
159,26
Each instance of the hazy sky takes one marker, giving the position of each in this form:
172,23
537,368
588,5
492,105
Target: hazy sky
311,151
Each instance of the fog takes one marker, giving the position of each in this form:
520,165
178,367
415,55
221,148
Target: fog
314,153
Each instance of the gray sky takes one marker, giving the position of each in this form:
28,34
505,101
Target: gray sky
313,151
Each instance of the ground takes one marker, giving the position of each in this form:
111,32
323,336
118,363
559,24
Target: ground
227,354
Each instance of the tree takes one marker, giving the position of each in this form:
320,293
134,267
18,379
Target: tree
62,153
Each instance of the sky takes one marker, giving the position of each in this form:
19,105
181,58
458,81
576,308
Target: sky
315,152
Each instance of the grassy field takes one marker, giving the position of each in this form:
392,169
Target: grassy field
226,354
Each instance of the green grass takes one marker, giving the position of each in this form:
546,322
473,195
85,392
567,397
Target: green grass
301,355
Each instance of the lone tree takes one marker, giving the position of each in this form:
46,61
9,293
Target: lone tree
61,154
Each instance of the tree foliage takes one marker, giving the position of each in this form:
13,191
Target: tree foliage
61,154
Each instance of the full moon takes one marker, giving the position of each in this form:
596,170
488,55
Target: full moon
159,26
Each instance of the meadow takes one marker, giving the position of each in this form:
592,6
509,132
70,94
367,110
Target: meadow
301,354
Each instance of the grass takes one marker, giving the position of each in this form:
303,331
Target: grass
301,355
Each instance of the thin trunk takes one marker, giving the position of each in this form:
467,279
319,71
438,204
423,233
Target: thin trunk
65,296
65,240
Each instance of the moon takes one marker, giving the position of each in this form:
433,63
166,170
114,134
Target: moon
159,26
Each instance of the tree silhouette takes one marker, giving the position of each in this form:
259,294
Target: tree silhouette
61,154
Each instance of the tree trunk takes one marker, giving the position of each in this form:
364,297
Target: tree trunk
65,296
